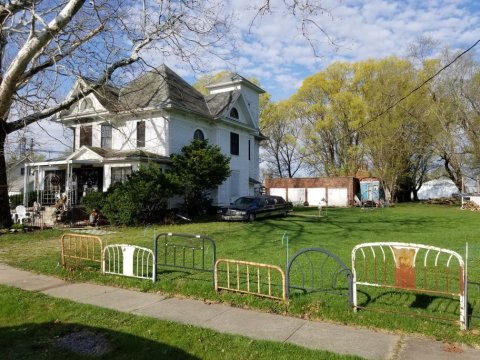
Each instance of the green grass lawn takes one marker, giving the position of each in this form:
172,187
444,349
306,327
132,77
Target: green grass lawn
35,326
261,241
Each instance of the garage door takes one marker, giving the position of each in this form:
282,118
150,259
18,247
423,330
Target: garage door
279,192
296,195
315,195
338,197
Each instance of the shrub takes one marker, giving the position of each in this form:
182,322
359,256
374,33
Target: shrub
142,199
17,227
93,200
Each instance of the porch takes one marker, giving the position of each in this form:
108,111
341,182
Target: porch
63,182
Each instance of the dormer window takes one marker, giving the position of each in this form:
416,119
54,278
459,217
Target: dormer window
198,135
234,113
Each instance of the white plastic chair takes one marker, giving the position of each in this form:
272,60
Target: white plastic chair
22,214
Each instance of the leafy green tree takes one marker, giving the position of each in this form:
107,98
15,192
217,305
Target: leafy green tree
333,109
283,150
398,141
199,168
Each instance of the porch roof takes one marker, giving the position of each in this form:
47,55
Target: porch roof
101,155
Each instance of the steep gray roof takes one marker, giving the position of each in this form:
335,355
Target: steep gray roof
107,95
218,103
161,88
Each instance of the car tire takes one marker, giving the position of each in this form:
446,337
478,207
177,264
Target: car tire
251,217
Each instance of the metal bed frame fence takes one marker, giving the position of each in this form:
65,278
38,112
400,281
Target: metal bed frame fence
129,260
394,265
185,251
248,281
403,266
318,270
81,248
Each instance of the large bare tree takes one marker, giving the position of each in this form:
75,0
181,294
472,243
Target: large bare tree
46,44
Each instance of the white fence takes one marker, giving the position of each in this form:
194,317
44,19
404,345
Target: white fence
129,260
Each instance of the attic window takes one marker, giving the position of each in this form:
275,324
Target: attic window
198,135
234,113
86,104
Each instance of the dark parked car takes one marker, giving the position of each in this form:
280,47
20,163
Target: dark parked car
255,207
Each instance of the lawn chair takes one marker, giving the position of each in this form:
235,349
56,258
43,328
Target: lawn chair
22,214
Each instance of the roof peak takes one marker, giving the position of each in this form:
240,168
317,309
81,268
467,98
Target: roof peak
230,78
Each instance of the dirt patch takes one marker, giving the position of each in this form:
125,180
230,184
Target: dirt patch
84,342
452,348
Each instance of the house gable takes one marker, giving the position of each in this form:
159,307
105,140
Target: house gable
85,154
244,115
101,101
233,90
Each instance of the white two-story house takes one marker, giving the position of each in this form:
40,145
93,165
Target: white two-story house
118,129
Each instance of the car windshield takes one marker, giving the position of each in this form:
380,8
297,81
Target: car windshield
244,202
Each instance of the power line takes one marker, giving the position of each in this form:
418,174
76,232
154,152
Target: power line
376,117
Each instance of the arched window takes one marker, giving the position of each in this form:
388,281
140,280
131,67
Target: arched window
234,113
86,104
198,135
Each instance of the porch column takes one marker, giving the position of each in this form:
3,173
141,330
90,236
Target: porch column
37,184
25,185
68,185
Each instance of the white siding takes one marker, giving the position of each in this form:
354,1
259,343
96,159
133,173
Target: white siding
252,100
124,135
182,129
234,185
156,140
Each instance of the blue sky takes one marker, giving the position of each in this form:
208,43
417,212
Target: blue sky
273,50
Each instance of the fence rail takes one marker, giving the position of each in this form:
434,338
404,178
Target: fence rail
81,247
249,282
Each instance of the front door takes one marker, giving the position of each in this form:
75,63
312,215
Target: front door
88,179
53,186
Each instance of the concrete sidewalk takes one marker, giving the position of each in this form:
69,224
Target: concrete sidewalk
340,339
